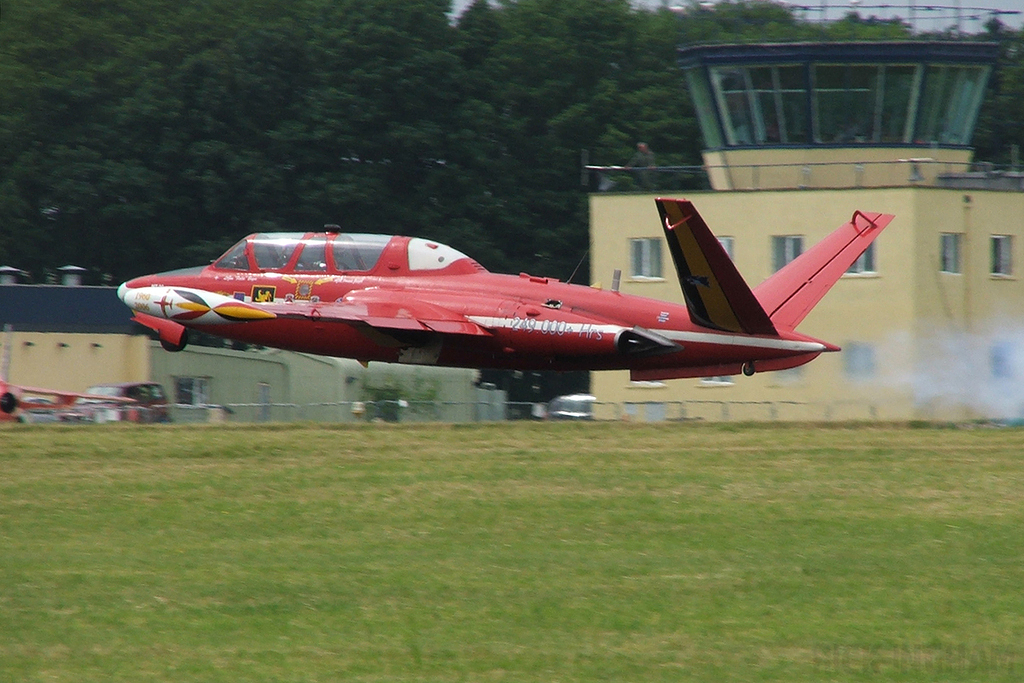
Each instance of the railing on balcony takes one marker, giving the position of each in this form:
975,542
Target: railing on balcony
904,172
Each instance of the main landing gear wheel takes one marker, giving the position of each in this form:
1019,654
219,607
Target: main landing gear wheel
171,346
748,368
8,402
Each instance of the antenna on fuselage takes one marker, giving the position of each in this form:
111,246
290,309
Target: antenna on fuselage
585,254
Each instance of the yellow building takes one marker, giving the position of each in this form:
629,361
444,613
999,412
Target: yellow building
931,320
69,337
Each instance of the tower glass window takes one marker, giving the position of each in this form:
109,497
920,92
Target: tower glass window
884,93
732,88
897,88
950,103
844,103
762,105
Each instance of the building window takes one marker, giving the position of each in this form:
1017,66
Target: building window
949,246
192,391
727,244
865,263
859,360
646,257
760,104
785,248
1002,259
948,100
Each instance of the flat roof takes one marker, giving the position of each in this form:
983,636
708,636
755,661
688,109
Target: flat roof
942,52
58,308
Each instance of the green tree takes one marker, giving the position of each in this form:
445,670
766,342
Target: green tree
1000,126
137,135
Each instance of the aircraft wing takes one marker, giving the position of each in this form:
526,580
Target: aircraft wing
385,310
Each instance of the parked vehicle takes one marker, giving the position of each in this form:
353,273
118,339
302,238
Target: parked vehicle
572,407
148,403
36,409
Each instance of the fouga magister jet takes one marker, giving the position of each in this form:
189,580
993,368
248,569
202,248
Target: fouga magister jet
412,300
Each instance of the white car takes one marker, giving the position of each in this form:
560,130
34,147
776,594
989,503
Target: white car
572,407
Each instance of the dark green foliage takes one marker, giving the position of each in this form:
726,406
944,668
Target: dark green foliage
1001,120
139,135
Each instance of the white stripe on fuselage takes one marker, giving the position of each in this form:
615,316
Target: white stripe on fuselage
682,336
741,340
546,326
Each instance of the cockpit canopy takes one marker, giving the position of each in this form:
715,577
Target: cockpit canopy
332,252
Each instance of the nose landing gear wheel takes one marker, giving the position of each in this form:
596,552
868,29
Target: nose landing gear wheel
748,368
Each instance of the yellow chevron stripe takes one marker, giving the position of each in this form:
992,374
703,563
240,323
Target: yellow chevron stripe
243,312
713,297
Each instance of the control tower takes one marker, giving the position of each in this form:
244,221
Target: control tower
831,115
797,137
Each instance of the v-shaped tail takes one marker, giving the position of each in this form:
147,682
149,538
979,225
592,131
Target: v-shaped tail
790,294
716,294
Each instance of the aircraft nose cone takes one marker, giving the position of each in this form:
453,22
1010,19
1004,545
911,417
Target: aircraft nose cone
122,290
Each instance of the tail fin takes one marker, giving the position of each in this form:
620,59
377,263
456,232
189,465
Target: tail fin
715,293
790,294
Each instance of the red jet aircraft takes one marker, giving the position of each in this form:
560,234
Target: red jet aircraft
411,300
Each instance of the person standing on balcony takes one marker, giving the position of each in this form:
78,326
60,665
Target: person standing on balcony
643,163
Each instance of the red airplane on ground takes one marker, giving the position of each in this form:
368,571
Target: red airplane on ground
411,300
15,399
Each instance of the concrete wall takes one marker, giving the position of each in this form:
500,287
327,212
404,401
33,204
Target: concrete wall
803,167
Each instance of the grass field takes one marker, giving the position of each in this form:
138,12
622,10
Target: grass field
516,552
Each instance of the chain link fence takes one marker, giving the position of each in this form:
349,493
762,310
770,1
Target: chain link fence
482,411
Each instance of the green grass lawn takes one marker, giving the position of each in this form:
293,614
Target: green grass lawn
514,552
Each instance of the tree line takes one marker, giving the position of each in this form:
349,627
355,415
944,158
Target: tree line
139,135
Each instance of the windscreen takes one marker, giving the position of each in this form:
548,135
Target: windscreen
314,255
358,252
234,258
273,250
